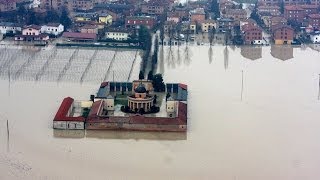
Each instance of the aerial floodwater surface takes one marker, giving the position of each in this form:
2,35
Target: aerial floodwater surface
254,114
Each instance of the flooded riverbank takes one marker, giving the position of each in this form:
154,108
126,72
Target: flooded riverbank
253,114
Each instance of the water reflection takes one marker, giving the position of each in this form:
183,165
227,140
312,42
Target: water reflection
226,57
251,52
137,135
282,52
210,54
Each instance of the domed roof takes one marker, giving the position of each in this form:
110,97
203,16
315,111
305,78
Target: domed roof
140,89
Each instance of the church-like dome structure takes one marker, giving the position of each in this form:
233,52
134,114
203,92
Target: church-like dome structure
140,89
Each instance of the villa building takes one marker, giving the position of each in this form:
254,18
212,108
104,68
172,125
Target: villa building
117,34
32,33
9,28
52,29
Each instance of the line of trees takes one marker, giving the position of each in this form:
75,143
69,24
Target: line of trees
145,41
29,16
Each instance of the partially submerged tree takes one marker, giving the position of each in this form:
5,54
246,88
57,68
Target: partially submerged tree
158,83
141,75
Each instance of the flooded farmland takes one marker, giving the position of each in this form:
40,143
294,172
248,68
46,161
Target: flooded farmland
253,114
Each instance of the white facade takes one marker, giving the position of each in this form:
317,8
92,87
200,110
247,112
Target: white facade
258,42
68,125
109,103
7,28
174,19
52,29
315,38
120,36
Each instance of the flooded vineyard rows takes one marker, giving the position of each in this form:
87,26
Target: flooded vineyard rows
254,113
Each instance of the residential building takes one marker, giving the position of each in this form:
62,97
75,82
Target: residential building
8,5
117,34
105,18
251,34
168,25
225,24
226,4
52,29
83,5
236,14
314,21
153,7
56,4
315,37
9,28
137,21
295,13
193,27
173,16
86,17
277,20
295,2
32,33
269,2
299,12
197,15
183,12
208,25
89,29
282,34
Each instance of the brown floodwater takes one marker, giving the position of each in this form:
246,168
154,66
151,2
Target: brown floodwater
254,113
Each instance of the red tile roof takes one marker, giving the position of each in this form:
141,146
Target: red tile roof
293,8
314,16
183,86
79,35
62,113
104,84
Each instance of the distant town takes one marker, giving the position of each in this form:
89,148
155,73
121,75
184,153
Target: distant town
130,22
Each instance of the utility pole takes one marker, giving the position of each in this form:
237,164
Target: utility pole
241,83
319,89
8,135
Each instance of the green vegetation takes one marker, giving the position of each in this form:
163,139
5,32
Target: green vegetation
215,9
158,83
85,112
145,41
141,75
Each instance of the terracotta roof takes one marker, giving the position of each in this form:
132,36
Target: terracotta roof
79,35
53,24
183,86
293,8
32,26
314,16
104,84
63,110
280,26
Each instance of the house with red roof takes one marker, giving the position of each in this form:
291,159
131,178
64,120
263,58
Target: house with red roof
251,34
314,21
282,34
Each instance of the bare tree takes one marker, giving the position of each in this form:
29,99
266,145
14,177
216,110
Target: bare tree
212,32
210,54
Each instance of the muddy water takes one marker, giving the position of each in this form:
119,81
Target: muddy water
253,114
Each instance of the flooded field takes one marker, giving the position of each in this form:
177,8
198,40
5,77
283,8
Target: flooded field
254,113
